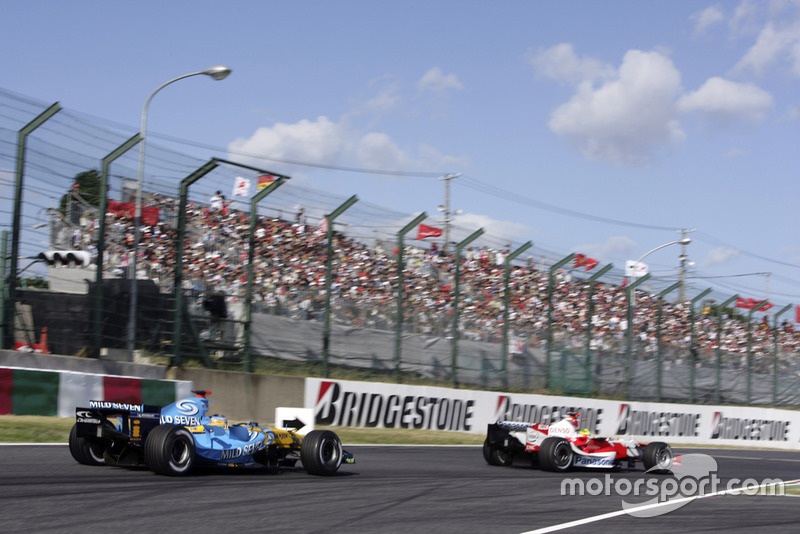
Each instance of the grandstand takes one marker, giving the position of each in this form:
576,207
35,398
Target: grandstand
552,330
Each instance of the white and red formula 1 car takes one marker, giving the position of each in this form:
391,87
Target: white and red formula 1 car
561,446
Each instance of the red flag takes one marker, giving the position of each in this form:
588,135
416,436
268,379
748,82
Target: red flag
763,307
585,261
751,303
428,231
128,209
797,314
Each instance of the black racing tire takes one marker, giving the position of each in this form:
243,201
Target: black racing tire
84,451
169,450
498,456
321,452
556,454
657,457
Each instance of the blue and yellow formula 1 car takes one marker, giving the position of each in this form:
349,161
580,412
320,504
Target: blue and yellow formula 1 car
173,439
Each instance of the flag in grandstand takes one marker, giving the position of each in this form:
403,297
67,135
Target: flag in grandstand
428,231
635,269
584,261
751,303
241,187
264,180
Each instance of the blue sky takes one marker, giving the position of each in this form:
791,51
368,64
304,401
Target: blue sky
583,126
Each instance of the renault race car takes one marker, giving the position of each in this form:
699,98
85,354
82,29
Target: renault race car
173,439
561,446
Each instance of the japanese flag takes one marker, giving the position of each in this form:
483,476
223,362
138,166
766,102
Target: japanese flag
241,187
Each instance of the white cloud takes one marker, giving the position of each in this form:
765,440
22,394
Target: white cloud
562,64
721,255
377,151
437,81
625,120
777,26
722,99
323,142
319,142
386,100
774,44
706,18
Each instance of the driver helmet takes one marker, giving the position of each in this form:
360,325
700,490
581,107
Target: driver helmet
218,419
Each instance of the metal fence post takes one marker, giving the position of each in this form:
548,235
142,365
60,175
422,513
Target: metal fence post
549,344
590,313
7,334
775,353
692,350
629,293
248,298
507,306
456,295
326,330
400,266
101,240
720,310
178,273
659,359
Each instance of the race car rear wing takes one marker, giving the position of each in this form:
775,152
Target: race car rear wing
116,420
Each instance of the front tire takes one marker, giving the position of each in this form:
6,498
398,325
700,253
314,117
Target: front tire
555,454
657,457
321,452
496,455
83,450
169,450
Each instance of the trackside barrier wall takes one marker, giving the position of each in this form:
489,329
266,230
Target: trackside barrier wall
57,393
378,405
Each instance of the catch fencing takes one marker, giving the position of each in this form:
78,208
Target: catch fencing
297,274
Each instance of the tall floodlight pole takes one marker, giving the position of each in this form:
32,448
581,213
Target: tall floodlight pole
220,72
683,259
685,241
446,210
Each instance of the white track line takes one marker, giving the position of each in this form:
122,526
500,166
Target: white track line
670,502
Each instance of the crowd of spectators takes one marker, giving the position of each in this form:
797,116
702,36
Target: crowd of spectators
290,273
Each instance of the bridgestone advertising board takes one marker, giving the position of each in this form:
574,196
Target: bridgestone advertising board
377,405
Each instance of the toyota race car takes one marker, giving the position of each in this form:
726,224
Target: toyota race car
560,447
173,439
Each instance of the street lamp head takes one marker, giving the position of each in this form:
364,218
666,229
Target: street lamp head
220,72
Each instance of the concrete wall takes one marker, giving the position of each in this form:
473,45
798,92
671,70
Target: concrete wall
53,362
243,396
239,396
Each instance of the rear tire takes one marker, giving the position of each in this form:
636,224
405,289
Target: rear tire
657,457
555,454
169,450
83,450
321,452
496,455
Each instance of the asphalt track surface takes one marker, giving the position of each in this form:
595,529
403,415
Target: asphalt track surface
390,489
